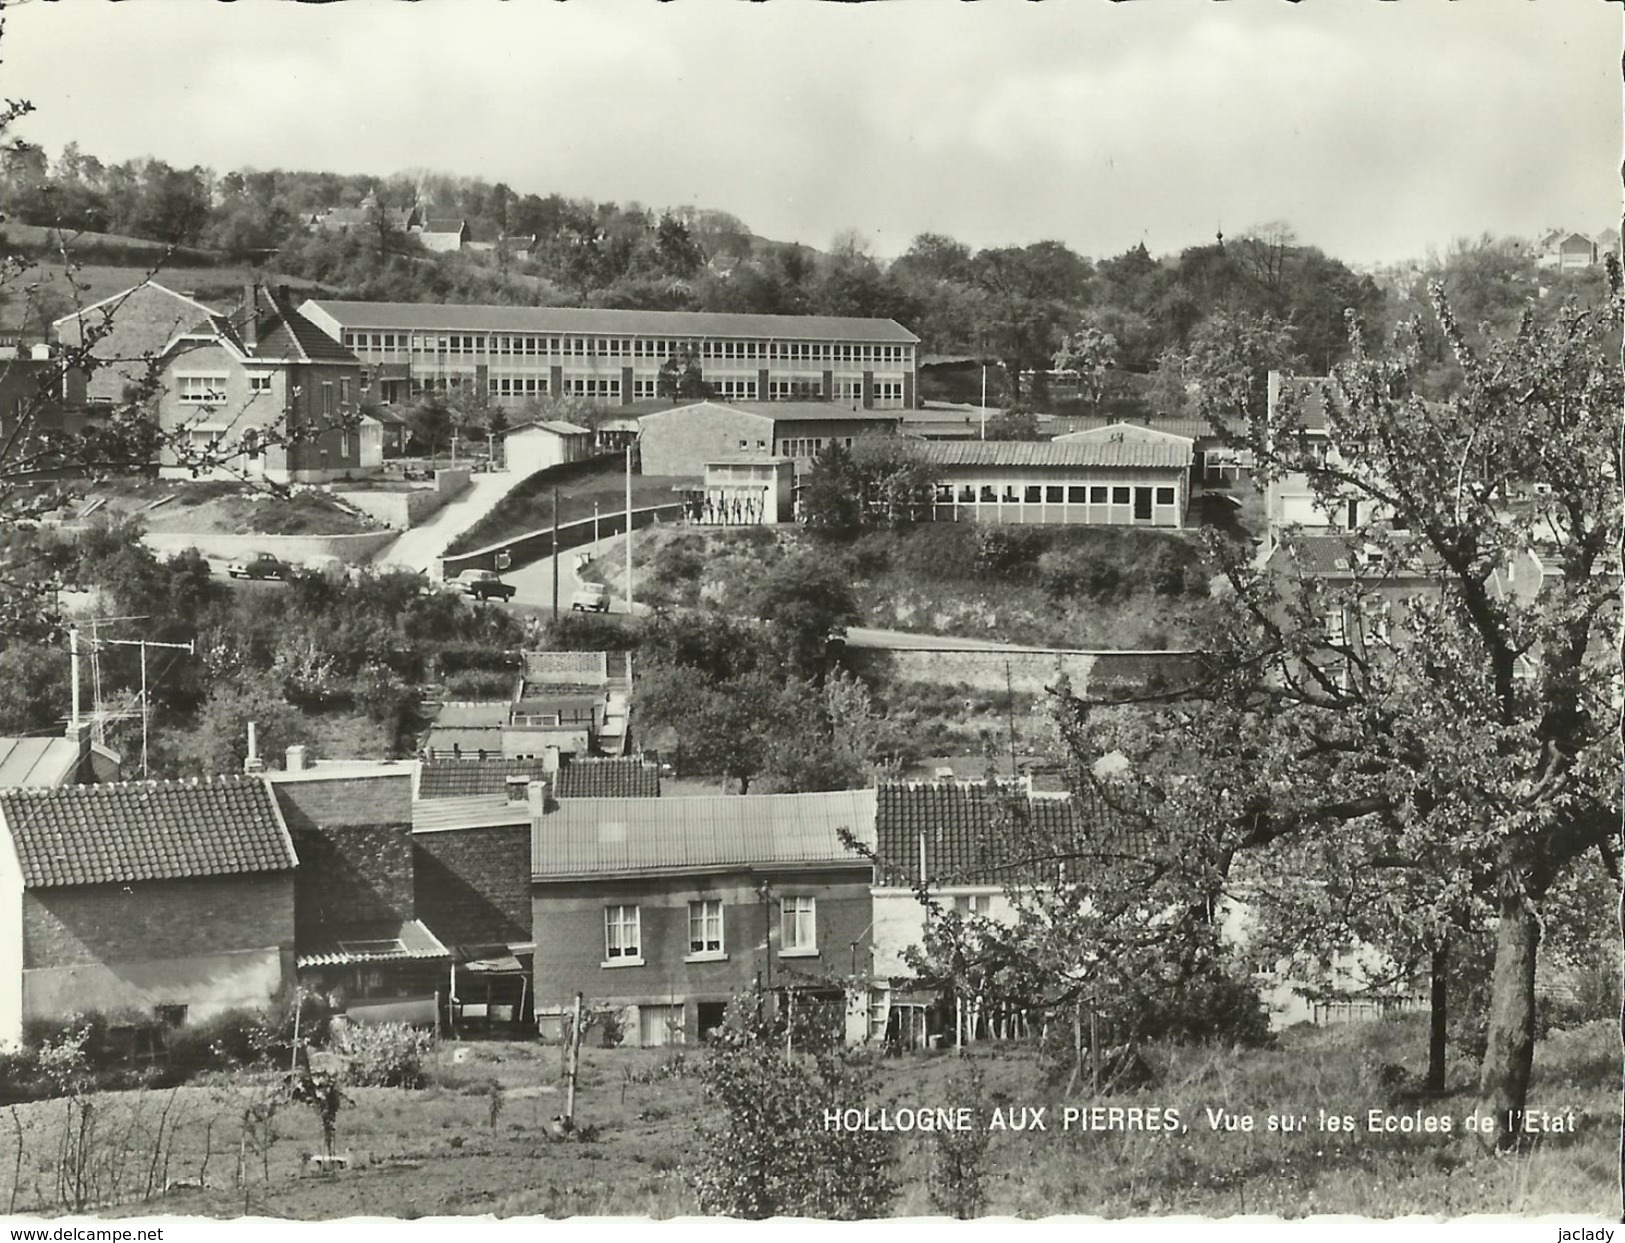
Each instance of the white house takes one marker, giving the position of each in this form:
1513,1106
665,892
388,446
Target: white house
544,443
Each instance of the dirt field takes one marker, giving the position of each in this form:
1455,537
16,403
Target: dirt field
436,1151
226,509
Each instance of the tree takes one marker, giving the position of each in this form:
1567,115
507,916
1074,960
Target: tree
881,482
1482,733
1092,353
805,601
682,377
218,740
1029,292
431,423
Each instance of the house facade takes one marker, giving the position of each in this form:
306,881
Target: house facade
123,336
662,910
266,392
1120,476
173,899
685,440
546,442
515,354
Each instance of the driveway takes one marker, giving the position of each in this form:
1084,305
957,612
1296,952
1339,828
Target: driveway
422,547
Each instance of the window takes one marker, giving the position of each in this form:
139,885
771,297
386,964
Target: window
1076,495
1054,494
202,390
622,944
173,1015
1119,496
974,904
1033,494
1165,496
259,382
705,928
1097,494
800,927
327,397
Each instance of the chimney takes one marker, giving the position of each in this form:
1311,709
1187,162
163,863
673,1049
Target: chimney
283,299
296,758
80,732
253,764
251,316
550,760
517,787
539,794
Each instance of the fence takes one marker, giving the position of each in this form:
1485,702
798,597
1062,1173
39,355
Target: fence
525,549
1364,1010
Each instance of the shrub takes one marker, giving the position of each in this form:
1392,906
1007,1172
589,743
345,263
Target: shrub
764,1150
956,1180
385,1055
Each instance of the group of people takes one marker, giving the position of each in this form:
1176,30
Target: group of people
725,509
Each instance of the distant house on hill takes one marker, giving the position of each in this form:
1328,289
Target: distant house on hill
1567,252
443,234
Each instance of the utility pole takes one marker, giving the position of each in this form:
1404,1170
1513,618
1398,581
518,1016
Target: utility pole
555,554
629,530
188,647
984,401
574,1062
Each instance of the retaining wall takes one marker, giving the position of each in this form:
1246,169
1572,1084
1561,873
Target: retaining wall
1033,672
533,546
405,510
351,549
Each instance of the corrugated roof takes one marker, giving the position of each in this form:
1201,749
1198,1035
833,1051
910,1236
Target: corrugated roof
1110,454
388,941
785,411
37,763
1193,429
617,837
1120,430
472,318
96,834
476,811
557,426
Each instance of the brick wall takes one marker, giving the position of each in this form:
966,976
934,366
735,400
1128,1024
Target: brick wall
157,919
353,837
569,931
473,885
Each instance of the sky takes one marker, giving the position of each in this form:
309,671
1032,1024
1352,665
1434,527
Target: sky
1377,130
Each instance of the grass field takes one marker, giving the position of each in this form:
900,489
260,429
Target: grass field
445,1150
582,487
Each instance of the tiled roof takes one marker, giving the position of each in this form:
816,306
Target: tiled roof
1126,454
130,327
389,941
96,834
1312,393
37,763
609,778
286,335
463,317
1335,556
975,834
633,836
577,778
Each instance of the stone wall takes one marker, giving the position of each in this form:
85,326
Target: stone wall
405,510
351,549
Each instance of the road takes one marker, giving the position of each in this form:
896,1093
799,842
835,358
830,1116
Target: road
606,564
422,546
908,640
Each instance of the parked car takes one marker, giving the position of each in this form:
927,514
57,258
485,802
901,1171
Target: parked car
590,598
486,585
260,565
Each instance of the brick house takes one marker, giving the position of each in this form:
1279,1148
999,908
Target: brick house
356,927
169,898
572,703
662,910
269,392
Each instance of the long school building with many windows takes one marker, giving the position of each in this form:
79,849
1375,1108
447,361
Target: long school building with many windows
516,354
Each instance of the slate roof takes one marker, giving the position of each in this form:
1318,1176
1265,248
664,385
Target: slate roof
286,335
385,941
973,836
588,837
37,763
557,319
577,778
157,830
1109,454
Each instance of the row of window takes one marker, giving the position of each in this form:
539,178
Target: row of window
524,345
1048,494
623,932
209,389
806,446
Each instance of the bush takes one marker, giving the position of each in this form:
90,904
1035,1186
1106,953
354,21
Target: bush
764,1151
956,1181
385,1055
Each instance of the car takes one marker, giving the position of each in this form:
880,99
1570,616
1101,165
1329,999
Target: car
590,598
486,585
260,565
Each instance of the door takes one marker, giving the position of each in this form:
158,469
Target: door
1142,504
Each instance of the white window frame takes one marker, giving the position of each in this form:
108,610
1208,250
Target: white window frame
201,388
798,926
621,949
705,919
259,382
